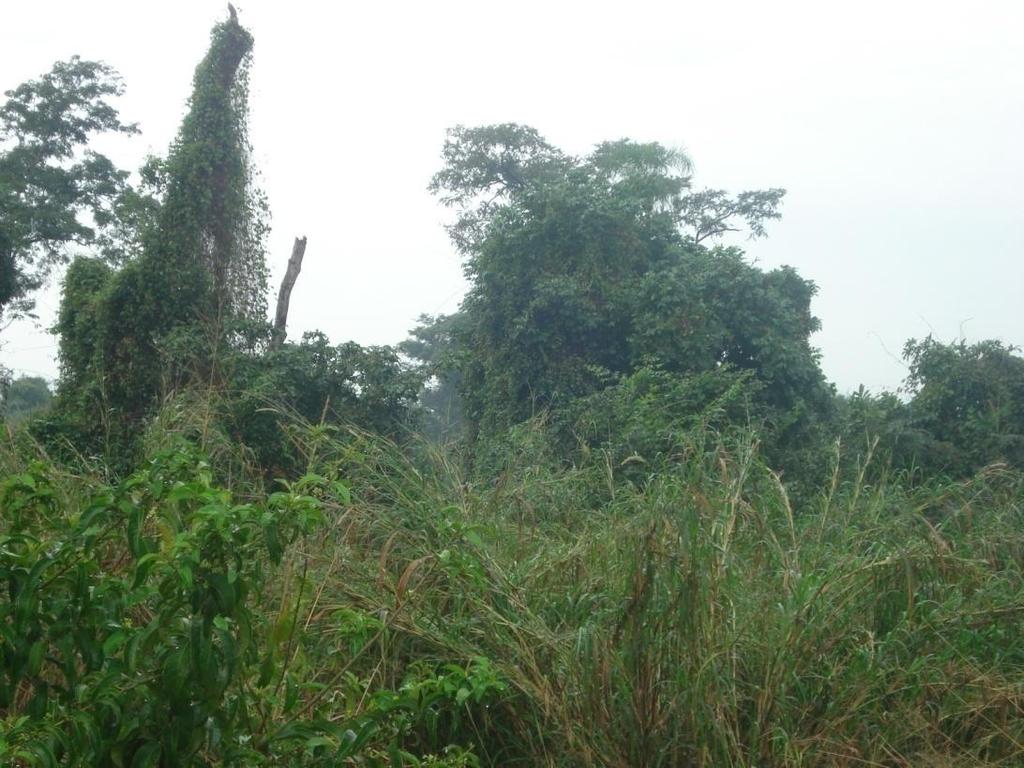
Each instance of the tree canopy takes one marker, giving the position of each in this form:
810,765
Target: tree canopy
970,398
588,269
56,192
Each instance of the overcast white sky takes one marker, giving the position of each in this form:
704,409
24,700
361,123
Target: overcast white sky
896,126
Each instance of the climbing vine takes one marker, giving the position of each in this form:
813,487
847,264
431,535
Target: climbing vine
212,215
201,270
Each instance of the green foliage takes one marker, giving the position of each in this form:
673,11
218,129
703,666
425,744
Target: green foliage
133,217
698,618
691,615
970,398
643,420
368,388
586,270
82,414
23,398
164,620
129,632
200,271
212,218
49,178
637,428
433,347
674,545
881,429
961,411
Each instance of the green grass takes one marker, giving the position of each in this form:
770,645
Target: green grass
698,620
564,618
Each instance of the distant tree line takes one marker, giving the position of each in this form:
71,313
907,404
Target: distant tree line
602,303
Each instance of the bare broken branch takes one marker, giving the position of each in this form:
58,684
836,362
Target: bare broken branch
284,295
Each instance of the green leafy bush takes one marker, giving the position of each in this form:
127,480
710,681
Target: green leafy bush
130,628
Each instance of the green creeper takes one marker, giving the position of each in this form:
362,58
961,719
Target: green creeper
130,336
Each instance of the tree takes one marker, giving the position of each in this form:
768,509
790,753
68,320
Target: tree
199,275
883,427
51,183
213,217
433,346
587,270
970,398
24,397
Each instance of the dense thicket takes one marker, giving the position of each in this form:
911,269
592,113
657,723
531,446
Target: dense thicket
421,618
113,330
597,304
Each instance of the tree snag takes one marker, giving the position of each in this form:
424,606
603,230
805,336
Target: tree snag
284,295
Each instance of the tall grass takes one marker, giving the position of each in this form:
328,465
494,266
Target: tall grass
695,620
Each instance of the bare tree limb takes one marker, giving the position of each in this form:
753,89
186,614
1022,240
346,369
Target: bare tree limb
284,295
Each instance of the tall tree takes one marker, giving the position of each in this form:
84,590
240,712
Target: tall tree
585,270
129,335
55,191
213,217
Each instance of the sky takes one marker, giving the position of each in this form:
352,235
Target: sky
896,128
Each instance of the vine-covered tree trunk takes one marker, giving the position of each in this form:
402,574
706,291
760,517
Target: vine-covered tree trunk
162,320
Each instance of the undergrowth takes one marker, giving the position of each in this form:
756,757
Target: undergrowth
388,609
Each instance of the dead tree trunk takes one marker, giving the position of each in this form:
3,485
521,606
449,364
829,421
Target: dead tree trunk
284,295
